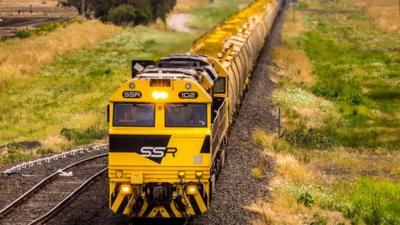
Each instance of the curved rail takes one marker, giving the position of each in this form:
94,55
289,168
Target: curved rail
24,165
39,185
56,209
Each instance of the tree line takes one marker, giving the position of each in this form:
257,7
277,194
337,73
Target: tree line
122,11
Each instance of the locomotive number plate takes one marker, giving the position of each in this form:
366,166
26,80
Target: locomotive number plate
132,94
188,95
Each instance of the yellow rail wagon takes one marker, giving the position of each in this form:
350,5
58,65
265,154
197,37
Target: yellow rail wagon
168,123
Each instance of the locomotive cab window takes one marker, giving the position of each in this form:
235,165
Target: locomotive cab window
219,86
133,115
186,115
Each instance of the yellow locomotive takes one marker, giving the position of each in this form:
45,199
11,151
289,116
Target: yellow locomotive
168,123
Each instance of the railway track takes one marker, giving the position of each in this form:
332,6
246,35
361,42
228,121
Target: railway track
50,195
10,25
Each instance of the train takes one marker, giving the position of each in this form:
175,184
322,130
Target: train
169,123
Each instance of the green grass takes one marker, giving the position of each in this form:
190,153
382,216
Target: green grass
356,100
46,28
356,70
205,18
72,92
366,201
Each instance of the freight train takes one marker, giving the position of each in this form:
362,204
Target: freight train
167,124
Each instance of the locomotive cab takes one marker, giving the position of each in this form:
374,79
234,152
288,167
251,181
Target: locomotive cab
159,137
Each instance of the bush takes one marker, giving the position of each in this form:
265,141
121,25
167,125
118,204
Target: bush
15,153
45,28
126,14
24,33
310,138
81,137
306,199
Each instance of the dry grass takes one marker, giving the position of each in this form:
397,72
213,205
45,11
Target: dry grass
346,164
283,208
293,25
286,211
24,57
294,65
385,12
26,3
185,5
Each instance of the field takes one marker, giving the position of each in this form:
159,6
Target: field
56,85
21,8
337,76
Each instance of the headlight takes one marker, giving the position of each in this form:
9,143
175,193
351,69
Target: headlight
191,189
126,189
119,173
160,95
181,174
199,174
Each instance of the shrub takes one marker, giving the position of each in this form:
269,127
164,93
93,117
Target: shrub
306,199
24,33
126,14
15,153
311,138
86,136
319,220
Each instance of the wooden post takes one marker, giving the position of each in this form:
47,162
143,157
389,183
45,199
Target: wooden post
83,8
294,12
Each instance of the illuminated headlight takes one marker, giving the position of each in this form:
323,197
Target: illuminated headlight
132,85
119,173
160,95
181,174
126,189
191,190
188,86
199,174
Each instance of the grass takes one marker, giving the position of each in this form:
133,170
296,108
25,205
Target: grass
59,96
72,91
46,28
384,12
205,18
337,82
23,58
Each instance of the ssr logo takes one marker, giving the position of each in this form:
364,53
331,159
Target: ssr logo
157,152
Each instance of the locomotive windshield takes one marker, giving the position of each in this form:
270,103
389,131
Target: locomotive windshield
186,115
133,115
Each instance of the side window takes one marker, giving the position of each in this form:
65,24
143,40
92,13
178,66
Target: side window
219,85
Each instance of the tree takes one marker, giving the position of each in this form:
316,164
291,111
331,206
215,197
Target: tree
143,11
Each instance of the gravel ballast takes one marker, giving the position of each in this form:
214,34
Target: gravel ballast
236,188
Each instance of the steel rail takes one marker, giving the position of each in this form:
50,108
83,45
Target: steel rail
44,181
55,157
56,209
